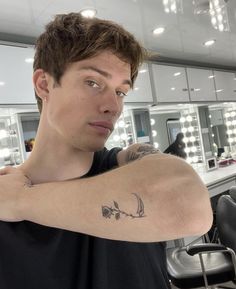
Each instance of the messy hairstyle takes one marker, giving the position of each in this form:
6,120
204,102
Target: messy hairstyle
71,37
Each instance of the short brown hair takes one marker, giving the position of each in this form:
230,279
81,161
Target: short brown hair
71,37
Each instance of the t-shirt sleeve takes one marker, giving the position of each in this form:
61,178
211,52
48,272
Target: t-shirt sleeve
104,160
108,159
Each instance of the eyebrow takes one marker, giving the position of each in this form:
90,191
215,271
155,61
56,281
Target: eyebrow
105,74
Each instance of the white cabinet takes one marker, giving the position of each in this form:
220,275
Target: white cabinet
170,83
201,84
142,92
16,71
225,85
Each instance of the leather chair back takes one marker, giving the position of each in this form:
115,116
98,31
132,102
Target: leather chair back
226,219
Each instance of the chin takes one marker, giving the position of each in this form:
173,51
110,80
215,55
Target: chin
94,147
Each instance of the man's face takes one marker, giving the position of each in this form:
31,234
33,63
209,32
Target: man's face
83,109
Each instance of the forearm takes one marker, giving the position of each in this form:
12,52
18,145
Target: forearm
175,201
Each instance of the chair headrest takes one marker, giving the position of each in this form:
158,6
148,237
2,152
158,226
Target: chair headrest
232,193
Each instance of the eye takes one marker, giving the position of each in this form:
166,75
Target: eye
92,83
121,93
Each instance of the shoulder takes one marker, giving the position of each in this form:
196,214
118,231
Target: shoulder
135,152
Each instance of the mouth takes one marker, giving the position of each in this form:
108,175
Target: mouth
104,127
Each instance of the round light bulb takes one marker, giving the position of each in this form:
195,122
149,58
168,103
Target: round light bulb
116,137
192,138
152,121
191,129
189,118
154,133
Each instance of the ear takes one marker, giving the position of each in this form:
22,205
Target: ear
41,81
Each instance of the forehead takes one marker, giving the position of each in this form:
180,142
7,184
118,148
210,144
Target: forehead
106,61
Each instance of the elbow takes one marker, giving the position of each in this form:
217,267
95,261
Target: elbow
199,215
200,222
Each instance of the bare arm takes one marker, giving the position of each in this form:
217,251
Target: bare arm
158,197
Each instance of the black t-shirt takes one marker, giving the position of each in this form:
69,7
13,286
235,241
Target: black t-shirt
33,256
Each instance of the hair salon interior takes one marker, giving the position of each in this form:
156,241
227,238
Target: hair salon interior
187,86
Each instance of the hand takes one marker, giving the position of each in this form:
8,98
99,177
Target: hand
13,186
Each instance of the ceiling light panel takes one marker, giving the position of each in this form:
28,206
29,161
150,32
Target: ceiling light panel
209,42
158,30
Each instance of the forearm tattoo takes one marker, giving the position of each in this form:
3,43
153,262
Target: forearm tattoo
140,153
109,211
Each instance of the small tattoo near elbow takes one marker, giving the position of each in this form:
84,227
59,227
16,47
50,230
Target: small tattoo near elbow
109,211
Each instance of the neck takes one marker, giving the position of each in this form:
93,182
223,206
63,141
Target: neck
54,160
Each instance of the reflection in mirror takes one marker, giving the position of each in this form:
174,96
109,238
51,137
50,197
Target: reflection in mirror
165,126
12,136
223,121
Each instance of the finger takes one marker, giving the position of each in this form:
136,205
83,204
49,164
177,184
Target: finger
8,170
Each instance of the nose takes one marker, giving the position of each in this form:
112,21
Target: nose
111,103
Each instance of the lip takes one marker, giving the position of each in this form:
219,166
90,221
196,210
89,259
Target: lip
103,125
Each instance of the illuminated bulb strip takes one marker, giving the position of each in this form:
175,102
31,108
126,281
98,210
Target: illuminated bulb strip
219,15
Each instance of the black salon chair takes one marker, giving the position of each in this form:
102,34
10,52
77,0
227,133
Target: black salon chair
208,264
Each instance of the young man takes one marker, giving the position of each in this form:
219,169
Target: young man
82,71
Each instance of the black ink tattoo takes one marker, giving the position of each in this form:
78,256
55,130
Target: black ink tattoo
140,153
107,211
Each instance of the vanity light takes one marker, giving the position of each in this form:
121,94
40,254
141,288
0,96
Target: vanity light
189,160
3,133
172,6
116,137
195,159
235,130
182,119
185,139
124,136
184,130
88,12
158,30
193,149
154,133
156,145
192,138
187,150
209,42
229,131
219,15
233,113
2,83
234,122
121,123
227,114
228,123
4,153
152,120
230,140
191,129
189,118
